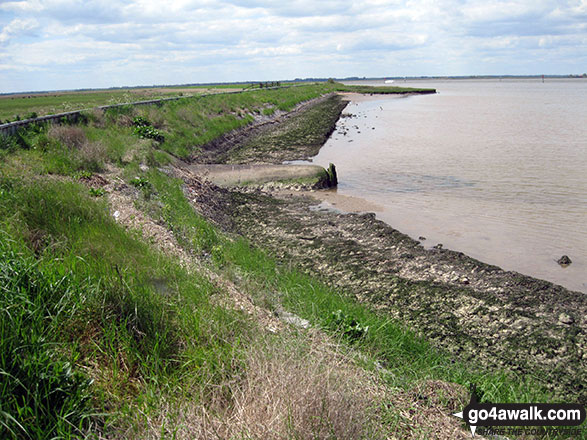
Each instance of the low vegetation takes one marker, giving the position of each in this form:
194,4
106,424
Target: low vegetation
20,106
103,333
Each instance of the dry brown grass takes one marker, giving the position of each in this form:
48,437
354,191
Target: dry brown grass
92,156
184,114
71,136
156,117
425,412
293,388
96,118
301,392
125,120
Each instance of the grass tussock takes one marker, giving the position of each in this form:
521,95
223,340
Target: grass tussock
292,387
72,137
292,391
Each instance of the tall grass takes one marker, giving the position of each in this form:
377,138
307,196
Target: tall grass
95,321
42,395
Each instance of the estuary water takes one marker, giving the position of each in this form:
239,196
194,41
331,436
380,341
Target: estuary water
494,169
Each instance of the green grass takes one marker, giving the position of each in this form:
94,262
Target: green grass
58,102
407,356
182,127
94,320
23,106
219,86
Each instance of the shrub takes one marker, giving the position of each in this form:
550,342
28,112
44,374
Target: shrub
148,132
140,121
140,182
97,192
8,143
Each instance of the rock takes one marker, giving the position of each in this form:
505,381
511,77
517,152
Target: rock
564,260
438,246
421,238
564,318
290,318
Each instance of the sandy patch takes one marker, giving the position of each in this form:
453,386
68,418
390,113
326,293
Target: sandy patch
332,199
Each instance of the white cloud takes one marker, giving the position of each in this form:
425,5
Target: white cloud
209,40
27,6
18,27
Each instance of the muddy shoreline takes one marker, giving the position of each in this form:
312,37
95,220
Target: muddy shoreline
478,312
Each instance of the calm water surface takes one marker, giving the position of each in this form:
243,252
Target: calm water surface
495,169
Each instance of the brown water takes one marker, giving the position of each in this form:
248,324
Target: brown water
495,169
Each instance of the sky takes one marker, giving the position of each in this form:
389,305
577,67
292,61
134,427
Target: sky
71,44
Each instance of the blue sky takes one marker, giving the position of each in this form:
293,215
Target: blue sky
68,44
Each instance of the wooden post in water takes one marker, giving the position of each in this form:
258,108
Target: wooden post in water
332,178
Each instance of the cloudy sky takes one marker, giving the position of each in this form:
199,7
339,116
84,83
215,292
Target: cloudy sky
68,44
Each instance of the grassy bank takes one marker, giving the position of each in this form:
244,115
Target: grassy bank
20,106
104,333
